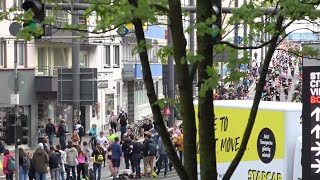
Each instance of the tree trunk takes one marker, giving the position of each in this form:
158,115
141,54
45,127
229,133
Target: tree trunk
185,88
257,98
158,119
208,166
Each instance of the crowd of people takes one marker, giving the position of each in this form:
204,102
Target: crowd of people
76,159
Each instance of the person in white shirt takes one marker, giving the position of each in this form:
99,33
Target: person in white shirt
103,141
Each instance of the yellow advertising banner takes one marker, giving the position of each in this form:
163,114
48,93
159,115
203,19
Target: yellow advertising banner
266,141
131,27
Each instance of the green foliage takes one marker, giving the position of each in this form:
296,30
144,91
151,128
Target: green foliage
164,53
142,46
165,101
211,82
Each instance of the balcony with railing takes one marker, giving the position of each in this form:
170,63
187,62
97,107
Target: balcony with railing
133,60
49,70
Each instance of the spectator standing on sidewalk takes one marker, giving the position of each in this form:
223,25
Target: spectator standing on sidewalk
50,131
63,162
87,151
123,117
163,157
149,152
24,165
116,156
71,160
54,163
127,152
81,167
62,134
6,160
40,161
137,156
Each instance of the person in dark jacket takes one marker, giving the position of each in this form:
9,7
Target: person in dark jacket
62,134
137,156
163,157
116,156
123,119
24,164
54,163
127,149
50,131
40,160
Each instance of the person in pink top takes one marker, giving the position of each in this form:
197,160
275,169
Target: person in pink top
81,167
6,171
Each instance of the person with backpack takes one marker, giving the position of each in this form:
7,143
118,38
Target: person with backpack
163,157
116,156
40,161
149,152
50,131
62,169
98,158
71,160
123,117
62,134
24,165
54,163
80,130
9,165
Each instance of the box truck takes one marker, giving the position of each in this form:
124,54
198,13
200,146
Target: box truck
274,148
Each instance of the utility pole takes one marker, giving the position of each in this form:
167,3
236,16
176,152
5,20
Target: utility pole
17,123
171,84
192,44
75,68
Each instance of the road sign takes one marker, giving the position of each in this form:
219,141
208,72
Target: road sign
14,28
238,39
123,31
311,120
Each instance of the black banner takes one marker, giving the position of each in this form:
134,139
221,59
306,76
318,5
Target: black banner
311,123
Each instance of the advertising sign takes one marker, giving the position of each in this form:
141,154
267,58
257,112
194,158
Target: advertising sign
264,156
311,123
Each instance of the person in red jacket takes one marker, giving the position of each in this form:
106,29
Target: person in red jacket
9,174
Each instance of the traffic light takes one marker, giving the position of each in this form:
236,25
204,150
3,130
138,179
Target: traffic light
7,129
23,130
36,25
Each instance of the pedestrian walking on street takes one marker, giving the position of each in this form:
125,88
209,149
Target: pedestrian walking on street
103,141
163,158
24,164
75,138
113,121
8,165
80,130
93,133
40,161
54,163
71,160
116,156
62,134
123,119
98,158
50,131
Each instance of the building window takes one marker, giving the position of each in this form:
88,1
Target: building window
109,103
116,56
21,53
108,56
118,95
2,53
3,5
84,60
140,94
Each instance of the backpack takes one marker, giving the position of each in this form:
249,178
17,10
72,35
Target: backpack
123,119
55,160
26,163
99,159
11,164
152,148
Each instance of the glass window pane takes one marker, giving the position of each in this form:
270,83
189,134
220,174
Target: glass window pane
107,62
20,53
